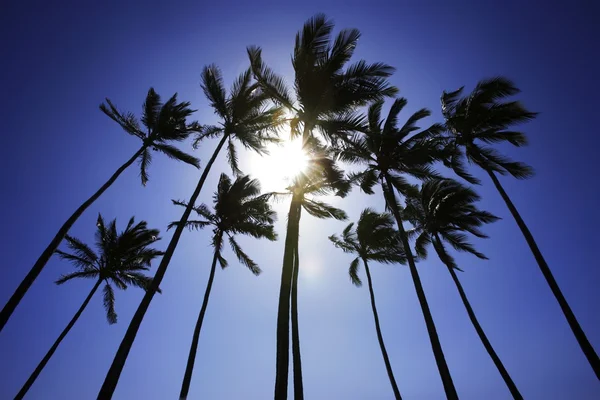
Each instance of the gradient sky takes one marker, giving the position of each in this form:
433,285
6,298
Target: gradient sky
59,63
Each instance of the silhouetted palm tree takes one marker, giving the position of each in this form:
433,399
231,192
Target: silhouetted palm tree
445,211
486,116
162,123
374,239
245,117
321,178
326,89
391,154
122,259
239,209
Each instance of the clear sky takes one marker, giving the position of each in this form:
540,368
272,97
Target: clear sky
59,63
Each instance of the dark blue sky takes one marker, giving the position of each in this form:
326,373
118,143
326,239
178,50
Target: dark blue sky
59,62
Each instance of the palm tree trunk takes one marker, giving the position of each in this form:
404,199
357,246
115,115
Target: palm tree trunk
583,341
113,374
384,353
297,360
436,346
187,377
41,262
482,336
50,352
283,312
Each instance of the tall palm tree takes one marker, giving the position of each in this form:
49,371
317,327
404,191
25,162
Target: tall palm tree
486,116
391,154
322,177
326,89
246,117
121,259
239,209
374,239
444,211
162,123
326,93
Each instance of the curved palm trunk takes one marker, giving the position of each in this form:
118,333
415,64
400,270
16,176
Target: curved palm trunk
482,336
41,262
386,360
583,341
283,312
50,352
187,377
431,329
113,374
297,360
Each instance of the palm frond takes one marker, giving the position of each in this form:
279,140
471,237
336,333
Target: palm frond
109,304
151,109
206,132
91,273
145,161
323,210
232,158
353,272
127,121
214,89
272,84
243,257
176,154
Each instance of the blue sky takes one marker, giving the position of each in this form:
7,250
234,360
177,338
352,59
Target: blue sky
59,63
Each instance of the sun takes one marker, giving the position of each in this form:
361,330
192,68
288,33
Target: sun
276,169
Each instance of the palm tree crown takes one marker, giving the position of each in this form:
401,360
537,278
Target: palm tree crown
326,89
239,208
163,123
122,259
245,115
480,118
444,209
374,239
390,151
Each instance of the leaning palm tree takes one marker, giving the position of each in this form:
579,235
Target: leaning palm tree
122,259
374,239
322,177
391,154
245,117
162,123
485,116
239,209
326,89
444,211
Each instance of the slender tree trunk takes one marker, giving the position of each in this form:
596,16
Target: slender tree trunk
436,346
583,341
386,359
41,262
50,352
296,358
112,377
283,312
482,336
187,377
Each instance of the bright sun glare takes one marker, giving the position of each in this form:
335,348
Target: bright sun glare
280,166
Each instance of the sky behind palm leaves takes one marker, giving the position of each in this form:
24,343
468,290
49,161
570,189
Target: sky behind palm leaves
58,65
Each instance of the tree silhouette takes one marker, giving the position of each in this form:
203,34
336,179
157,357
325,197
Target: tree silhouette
445,211
374,239
245,117
485,116
392,154
162,123
122,259
239,210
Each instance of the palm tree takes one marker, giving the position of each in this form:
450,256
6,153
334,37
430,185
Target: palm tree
374,239
390,155
245,117
122,259
445,211
239,209
321,178
486,116
163,123
327,90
